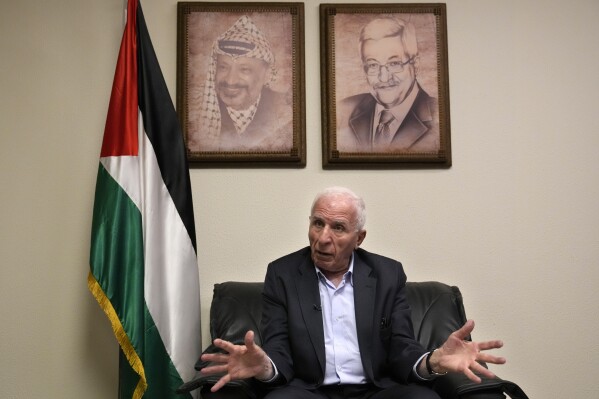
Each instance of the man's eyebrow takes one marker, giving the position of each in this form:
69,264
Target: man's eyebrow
337,222
331,221
344,223
390,58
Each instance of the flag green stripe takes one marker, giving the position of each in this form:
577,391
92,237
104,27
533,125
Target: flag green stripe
161,374
117,260
117,273
163,378
133,387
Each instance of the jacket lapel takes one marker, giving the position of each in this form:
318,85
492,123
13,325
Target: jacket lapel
364,296
308,297
414,126
361,120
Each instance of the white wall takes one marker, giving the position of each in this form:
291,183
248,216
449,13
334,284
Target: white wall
514,223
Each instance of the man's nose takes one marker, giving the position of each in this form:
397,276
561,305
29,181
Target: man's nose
384,74
325,235
232,76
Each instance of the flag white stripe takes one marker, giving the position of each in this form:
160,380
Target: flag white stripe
125,171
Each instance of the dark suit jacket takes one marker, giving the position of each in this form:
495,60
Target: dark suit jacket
292,327
419,131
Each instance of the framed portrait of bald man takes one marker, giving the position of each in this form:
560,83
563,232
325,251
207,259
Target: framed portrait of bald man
240,83
385,85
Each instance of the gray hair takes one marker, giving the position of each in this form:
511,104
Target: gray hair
391,27
356,200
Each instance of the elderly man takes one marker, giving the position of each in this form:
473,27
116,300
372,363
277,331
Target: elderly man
397,114
239,111
336,322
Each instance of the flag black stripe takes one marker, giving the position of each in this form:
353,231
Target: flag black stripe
162,127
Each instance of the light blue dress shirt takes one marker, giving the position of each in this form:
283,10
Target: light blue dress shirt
344,364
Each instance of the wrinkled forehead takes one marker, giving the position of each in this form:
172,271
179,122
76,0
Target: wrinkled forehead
386,47
334,207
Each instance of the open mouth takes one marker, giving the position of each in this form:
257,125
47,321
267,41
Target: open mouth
323,255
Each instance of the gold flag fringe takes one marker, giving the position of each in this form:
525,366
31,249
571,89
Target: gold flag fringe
119,333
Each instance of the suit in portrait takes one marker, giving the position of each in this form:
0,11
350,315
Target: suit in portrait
418,132
293,335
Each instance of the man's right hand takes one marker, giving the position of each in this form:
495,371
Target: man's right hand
240,362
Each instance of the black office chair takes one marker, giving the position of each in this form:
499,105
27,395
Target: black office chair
437,311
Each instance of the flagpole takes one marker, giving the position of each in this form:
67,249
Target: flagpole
124,13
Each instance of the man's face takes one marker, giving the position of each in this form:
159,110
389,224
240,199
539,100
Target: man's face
239,81
332,233
388,88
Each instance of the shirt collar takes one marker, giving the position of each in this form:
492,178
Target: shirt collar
349,273
400,110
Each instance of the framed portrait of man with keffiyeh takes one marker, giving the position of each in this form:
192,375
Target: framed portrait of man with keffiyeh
385,85
240,83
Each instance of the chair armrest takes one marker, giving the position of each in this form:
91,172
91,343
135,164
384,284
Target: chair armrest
200,364
458,386
241,389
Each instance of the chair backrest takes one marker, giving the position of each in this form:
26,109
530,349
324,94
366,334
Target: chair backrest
437,311
236,308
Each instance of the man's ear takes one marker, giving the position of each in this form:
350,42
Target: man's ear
416,64
361,237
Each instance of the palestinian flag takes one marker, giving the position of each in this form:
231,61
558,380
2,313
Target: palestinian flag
143,264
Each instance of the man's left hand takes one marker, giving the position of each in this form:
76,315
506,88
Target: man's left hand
461,356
